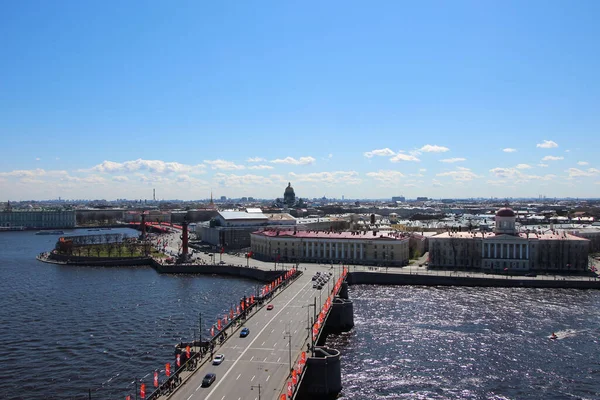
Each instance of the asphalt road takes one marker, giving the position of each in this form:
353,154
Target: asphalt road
263,357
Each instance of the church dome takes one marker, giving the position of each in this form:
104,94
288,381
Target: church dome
289,188
505,212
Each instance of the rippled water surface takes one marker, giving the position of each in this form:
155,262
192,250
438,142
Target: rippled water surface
67,329
471,343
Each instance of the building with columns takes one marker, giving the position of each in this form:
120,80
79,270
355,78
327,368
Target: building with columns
506,249
366,248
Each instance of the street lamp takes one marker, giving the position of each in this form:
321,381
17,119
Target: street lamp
288,336
256,386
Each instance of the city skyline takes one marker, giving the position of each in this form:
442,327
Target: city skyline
460,100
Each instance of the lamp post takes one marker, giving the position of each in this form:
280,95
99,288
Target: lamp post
288,336
256,386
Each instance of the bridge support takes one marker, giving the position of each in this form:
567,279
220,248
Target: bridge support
323,376
344,291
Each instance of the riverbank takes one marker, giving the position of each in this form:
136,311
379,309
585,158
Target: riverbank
382,278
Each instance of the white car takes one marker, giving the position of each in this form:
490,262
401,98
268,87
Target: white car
218,359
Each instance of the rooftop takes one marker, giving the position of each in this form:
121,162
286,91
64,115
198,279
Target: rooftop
333,235
490,235
237,215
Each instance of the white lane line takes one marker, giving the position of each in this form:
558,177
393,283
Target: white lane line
252,342
272,330
222,398
265,359
188,397
252,378
238,377
275,345
278,360
199,386
251,358
268,378
263,343
295,331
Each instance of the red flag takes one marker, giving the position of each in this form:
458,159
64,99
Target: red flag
128,397
168,369
222,250
155,379
294,377
143,390
250,254
187,351
179,360
282,397
289,390
219,325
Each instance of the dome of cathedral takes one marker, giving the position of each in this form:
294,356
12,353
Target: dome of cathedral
505,212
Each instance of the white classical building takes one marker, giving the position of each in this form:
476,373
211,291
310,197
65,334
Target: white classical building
370,248
507,250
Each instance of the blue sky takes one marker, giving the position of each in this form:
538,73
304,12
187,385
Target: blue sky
111,99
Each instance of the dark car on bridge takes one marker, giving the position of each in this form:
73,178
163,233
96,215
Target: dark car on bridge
244,332
208,380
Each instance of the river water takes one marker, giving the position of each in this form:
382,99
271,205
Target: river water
471,343
67,329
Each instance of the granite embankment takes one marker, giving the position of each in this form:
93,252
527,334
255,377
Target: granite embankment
378,278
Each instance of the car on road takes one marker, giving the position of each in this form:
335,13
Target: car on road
244,332
270,307
218,359
221,262
208,379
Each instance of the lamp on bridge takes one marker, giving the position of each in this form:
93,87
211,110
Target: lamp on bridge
256,386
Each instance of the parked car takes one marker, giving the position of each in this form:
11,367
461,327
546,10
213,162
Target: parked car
270,307
218,359
244,332
208,379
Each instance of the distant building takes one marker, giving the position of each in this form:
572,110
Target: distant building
368,248
507,250
399,198
289,197
35,219
422,199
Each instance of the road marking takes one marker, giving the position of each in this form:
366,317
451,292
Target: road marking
251,358
268,378
222,397
252,378
252,342
278,359
188,397
295,331
272,330
265,359
275,345
238,377
263,343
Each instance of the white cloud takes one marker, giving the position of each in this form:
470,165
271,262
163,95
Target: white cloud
330,155
509,150
576,172
386,176
246,181
460,174
256,159
120,178
514,175
223,164
260,167
403,157
523,166
553,158
422,169
153,166
428,148
583,163
291,160
547,144
410,185
344,177
380,152
37,159
543,165
453,160
33,173
436,183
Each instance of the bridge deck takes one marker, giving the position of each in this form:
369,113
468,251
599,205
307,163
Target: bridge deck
263,357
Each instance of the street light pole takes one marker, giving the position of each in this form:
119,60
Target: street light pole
288,336
256,386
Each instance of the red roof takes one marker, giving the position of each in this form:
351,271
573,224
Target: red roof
505,212
333,235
